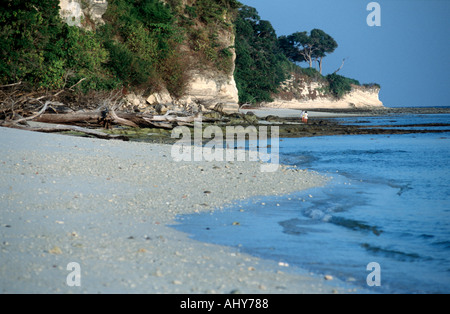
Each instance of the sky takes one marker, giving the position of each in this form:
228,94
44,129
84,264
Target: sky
408,54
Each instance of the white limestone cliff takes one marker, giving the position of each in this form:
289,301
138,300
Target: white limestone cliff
300,93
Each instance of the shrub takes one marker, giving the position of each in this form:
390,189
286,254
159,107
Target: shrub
312,73
30,45
340,85
372,85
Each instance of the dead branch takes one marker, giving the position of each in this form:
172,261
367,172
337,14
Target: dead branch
19,106
340,67
34,116
70,88
122,121
10,85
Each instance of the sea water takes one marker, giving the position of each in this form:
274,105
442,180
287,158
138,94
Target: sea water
387,202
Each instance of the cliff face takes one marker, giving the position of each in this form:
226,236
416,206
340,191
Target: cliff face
302,93
206,87
211,88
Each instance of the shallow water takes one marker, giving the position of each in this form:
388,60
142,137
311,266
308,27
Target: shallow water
387,202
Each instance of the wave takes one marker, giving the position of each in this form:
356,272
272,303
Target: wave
357,225
395,254
297,227
442,244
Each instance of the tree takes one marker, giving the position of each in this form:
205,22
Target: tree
30,48
298,47
301,47
260,63
324,43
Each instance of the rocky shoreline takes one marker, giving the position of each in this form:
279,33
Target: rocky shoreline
321,123
388,110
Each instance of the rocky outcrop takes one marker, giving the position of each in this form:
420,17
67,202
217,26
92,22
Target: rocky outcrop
83,13
214,92
303,93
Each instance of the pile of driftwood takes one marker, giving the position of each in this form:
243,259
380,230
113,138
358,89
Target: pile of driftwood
18,108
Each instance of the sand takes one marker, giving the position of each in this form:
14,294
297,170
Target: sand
109,205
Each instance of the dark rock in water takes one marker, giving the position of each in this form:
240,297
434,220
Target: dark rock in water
213,115
251,118
271,118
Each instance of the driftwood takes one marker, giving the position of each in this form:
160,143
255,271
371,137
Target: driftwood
69,118
17,107
74,121
58,128
69,128
134,120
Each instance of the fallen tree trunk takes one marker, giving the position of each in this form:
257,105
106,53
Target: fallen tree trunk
126,119
92,117
68,128
17,107
69,118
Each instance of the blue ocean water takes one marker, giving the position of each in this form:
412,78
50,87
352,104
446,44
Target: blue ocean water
387,202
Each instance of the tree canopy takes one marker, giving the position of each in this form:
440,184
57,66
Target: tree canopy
304,47
260,63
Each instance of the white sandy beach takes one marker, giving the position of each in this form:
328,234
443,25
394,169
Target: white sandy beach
108,206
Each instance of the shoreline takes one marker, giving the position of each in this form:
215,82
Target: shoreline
358,111
107,205
322,122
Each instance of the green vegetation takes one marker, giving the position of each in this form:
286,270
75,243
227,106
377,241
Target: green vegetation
301,47
340,85
32,42
142,39
138,47
142,45
260,64
264,60
205,23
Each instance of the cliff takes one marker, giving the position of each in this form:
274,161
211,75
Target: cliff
206,57
206,86
301,92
